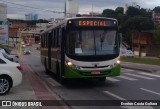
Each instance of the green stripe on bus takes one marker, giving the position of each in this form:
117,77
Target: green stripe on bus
73,73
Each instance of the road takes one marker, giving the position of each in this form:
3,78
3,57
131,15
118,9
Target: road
131,85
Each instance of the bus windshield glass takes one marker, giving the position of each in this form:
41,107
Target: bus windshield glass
92,42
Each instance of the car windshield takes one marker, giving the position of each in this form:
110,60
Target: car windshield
92,42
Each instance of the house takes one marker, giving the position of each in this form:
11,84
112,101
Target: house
145,44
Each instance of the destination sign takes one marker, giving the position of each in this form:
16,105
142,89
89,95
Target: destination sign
92,23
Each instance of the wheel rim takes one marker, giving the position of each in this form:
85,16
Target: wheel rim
4,86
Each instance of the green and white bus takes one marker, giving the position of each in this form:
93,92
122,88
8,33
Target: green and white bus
82,47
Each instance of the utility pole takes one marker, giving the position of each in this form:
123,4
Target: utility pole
92,9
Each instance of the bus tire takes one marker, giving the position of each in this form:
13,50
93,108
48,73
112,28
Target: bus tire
102,79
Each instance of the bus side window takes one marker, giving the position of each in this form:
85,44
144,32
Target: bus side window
41,41
46,40
59,38
57,35
51,35
53,39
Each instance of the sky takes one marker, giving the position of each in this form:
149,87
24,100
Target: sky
18,12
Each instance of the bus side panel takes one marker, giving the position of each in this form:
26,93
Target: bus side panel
53,66
62,60
49,50
42,60
54,60
44,57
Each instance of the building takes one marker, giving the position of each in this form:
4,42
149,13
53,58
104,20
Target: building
30,37
71,8
145,44
19,25
3,24
14,32
31,16
3,12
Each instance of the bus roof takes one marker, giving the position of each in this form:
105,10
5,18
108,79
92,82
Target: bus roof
66,19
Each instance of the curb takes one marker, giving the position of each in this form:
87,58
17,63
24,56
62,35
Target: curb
141,69
57,96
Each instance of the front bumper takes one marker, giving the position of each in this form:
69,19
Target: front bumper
73,73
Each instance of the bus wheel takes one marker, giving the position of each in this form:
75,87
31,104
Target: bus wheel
102,79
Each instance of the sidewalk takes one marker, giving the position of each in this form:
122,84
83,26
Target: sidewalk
39,89
142,67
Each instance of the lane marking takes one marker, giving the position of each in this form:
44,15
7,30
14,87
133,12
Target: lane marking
127,70
127,78
114,95
112,79
139,76
150,91
148,74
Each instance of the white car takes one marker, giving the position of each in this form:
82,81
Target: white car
129,53
126,53
11,57
27,51
10,74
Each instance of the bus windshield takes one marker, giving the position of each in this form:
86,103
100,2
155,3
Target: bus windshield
92,42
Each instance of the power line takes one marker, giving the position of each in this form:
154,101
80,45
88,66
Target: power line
59,12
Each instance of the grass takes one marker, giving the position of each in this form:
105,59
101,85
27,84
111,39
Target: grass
142,60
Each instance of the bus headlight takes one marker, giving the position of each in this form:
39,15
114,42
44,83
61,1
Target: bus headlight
118,62
69,63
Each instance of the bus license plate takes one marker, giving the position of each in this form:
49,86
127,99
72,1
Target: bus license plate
95,72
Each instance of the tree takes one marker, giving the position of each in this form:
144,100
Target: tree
132,11
139,24
119,11
146,12
119,15
157,9
108,13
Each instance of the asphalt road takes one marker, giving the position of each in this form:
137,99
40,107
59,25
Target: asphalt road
131,85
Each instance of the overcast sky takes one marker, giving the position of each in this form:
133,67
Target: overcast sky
18,12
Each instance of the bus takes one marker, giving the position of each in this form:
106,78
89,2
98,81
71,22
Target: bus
81,48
